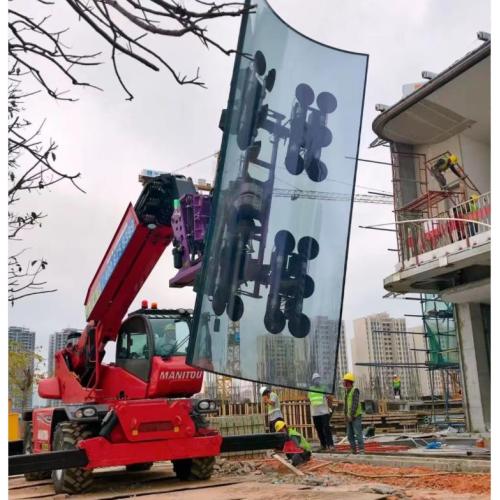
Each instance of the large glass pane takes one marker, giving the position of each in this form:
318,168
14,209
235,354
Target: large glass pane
270,298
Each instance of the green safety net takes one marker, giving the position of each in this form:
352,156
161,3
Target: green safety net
440,330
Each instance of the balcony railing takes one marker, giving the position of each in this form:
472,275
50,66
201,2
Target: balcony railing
417,238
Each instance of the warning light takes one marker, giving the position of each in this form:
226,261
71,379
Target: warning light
144,304
154,305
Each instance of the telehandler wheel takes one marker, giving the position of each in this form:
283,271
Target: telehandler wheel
66,437
28,450
139,467
194,469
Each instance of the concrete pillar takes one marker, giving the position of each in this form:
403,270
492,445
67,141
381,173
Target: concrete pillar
475,367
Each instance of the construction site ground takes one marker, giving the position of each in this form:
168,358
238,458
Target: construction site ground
324,477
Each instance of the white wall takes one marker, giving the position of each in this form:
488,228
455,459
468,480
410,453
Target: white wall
473,156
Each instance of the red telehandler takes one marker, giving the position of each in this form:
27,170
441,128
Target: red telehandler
139,409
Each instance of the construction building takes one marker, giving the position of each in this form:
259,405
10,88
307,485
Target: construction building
322,346
439,137
276,355
381,349
24,340
429,384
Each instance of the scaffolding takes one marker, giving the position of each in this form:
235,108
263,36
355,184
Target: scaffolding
441,353
414,199
442,348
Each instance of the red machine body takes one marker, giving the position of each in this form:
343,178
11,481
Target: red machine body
138,409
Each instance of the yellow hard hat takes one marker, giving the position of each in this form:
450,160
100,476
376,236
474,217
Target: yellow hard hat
453,159
350,377
279,425
474,197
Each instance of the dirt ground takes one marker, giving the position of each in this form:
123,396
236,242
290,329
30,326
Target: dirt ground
267,479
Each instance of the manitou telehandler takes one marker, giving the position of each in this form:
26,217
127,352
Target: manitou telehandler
139,409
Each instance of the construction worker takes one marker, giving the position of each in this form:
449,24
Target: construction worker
272,403
353,415
298,439
320,412
165,339
396,386
448,161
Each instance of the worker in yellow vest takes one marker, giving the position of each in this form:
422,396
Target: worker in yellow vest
396,386
353,415
298,439
320,412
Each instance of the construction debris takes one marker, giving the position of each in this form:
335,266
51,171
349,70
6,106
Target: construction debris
288,465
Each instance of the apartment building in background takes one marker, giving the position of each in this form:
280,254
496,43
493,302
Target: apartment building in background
440,141
381,349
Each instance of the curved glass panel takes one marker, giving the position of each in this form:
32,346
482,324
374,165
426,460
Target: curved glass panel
270,298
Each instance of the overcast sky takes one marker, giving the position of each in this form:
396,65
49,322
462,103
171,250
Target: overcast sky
109,140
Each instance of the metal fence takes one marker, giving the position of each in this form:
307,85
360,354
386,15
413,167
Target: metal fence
418,238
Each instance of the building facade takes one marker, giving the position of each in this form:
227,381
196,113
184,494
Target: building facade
440,141
24,340
383,344
323,348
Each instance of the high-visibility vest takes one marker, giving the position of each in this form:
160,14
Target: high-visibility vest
306,446
359,411
396,383
316,398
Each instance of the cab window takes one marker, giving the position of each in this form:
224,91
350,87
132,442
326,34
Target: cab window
170,336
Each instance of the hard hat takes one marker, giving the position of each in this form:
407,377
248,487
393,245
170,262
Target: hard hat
453,159
316,375
474,197
262,390
350,377
279,425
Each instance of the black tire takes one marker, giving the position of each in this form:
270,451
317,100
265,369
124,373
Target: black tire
194,469
66,437
28,450
139,467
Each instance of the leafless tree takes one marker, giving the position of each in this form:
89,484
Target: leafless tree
38,52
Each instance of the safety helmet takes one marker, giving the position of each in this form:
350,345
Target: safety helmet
474,197
350,377
315,376
262,390
278,426
453,159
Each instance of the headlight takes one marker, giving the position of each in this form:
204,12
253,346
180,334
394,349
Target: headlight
206,406
86,412
89,412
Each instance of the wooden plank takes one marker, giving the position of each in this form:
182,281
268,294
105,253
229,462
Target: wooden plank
289,466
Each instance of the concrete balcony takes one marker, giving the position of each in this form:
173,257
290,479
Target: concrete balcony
449,254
